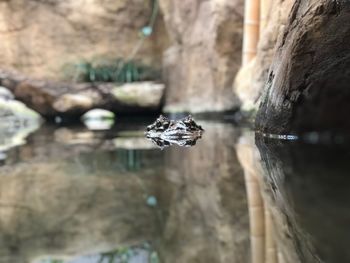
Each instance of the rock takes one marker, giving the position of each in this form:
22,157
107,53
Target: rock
6,94
251,79
140,94
16,123
56,98
205,54
32,41
71,102
98,114
98,119
308,84
17,110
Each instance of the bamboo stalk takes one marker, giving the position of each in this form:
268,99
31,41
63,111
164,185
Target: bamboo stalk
251,30
256,218
270,244
265,6
281,258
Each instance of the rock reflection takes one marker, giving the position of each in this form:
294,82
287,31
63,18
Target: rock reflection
70,193
74,195
207,219
298,200
68,199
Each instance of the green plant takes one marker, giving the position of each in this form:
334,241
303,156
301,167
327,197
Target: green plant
118,71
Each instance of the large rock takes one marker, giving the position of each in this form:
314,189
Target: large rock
40,37
52,98
16,122
251,78
308,85
205,55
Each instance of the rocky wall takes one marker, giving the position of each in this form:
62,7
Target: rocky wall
205,54
41,37
307,87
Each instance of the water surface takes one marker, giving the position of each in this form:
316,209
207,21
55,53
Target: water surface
72,195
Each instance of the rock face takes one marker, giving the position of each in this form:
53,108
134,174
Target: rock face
40,37
307,88
200,66
251,79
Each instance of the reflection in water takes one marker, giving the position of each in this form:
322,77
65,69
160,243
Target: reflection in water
303,193
77,196
207,219
14,133
165,132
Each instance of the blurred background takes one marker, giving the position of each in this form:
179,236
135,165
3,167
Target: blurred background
80,80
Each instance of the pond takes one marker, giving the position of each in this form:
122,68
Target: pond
71,195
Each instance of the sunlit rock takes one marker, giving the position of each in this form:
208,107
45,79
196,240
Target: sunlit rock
72,102
140,94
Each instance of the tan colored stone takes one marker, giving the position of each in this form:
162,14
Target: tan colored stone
252,77
142,94
40,37
69,102
200,66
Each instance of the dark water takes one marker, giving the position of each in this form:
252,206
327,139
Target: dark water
76,196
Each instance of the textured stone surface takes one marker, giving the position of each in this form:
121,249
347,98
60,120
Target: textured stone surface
38,37
251,79
144,94
308,85
52,98
200,65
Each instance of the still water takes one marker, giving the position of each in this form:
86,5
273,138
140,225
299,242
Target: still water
70,195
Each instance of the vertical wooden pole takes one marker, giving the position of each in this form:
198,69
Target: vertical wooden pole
251,30
256,218
265,6
270,244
